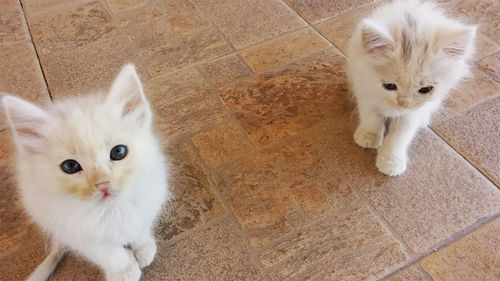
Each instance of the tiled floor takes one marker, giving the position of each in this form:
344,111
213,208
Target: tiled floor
269,184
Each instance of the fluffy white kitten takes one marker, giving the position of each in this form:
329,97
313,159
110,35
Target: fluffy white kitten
92,175
403,60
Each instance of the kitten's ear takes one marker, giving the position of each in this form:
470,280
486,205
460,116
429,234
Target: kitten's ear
456,41
127,93
26,121
375,38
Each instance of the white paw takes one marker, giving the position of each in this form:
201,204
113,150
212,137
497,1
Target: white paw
391,164
131,273
367,139
145,253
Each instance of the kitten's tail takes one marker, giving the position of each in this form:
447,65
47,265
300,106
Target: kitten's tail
45,269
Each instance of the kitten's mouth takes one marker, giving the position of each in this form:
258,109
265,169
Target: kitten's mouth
105,189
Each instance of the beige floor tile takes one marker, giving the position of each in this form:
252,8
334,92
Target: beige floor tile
76,268
272,192
184,104
412,273
33,7
193,201
215,253
438,195
224,71
317,10
201,45
21,244
284,49
21,75
472,90
285,101
72,26
348,245
481,12
121,5
491,66
247,22
472,257
71,71
12,24
160,23
222,144
476,135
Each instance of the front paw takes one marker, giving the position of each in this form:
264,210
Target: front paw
391,164
367,139
145,253
131,273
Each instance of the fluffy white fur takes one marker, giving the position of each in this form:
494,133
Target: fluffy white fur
70,208
411,44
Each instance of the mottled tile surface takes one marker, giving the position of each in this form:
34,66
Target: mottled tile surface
473,257
476,135
12,24
246,22
21,74
491,66
284,49
213,253
482,12
22,246
284,102
256,117
470,91
184,104
193,200
224,70
412,273
222,144
317,10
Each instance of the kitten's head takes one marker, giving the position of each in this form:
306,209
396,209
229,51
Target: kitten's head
417,53
91,147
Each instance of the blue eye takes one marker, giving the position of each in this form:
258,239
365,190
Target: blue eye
118,152
390,86
425,90
70,166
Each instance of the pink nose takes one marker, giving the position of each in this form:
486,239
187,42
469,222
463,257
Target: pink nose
104,186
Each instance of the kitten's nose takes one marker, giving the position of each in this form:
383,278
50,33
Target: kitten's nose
104,186
403,102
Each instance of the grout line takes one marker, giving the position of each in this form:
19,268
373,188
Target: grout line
409,253
207,172
446,242
313,27
36,50
209,19
485,174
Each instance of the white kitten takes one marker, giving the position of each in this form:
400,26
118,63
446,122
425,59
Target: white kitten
403,60
92,175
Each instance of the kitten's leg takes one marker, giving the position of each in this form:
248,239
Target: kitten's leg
392,155
45,269
119,263
370,131
144,249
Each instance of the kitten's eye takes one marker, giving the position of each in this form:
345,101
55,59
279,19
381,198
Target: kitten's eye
425,90
118,152
390,86
70,166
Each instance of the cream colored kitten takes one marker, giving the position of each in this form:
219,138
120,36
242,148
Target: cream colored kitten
92,175
403,61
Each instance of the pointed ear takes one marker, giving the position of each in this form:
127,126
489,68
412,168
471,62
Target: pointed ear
27,121
456,41
127,93
375,38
